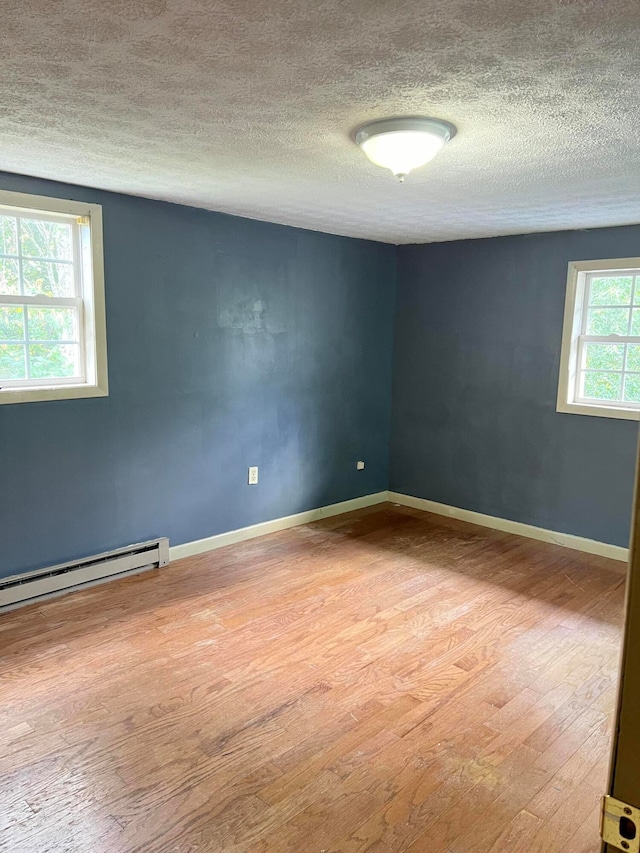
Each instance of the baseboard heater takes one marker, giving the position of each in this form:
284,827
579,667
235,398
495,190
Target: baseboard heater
19,590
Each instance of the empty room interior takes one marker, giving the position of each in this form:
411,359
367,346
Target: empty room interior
319,401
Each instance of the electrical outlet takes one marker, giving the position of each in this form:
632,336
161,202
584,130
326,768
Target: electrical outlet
360,465
253,476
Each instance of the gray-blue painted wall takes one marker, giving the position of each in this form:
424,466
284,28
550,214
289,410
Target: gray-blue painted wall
231,343
236,343
477,349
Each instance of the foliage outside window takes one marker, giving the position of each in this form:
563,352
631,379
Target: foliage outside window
600,364
52,328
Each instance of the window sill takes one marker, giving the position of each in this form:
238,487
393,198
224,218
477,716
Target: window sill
599,411
62,392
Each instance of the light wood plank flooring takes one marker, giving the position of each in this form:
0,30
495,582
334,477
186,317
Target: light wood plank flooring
384,681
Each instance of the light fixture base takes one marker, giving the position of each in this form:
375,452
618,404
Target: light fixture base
422,124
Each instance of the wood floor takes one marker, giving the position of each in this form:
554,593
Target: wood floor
384,681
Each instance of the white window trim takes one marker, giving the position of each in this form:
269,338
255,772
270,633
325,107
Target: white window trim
571,330
93,298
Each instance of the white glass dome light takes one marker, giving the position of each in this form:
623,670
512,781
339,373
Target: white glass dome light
403,144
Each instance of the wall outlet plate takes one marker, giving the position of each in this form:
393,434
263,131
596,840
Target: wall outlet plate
253,476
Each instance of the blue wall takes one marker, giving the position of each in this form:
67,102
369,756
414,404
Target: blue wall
231,343
236,343
477,350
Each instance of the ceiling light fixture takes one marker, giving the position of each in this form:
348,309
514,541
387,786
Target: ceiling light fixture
403,144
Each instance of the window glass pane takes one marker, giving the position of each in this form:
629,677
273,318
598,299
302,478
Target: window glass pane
604,356
8,236
611,290
608,321
12,364
40,239
9,281
635,321
602,386
47,279
50,361
632,389
633,357
11,323
52,324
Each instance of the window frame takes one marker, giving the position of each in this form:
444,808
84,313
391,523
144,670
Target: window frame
573,332
88,263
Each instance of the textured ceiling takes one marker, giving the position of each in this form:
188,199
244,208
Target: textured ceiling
247,106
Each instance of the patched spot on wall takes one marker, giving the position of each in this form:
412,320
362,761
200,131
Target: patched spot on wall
249,302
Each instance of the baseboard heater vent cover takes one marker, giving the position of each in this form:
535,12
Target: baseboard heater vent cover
23,589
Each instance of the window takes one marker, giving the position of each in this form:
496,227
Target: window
600,363
52,321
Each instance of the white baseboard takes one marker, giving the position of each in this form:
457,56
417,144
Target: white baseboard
567,540
578,543
200,546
